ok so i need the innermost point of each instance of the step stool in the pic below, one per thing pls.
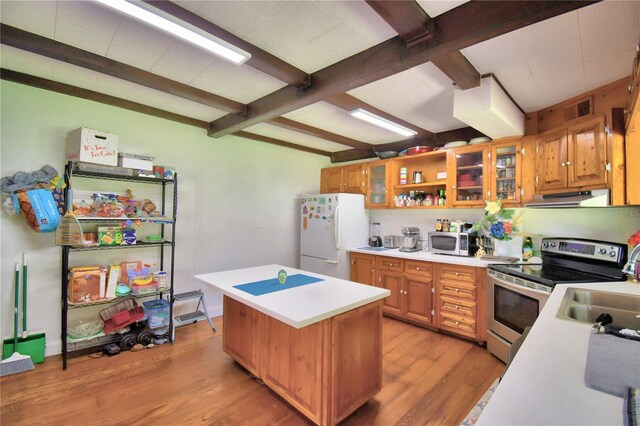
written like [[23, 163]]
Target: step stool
[[190, 317]]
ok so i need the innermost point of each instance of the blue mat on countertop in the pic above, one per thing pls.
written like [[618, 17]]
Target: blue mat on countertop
[[258, 288], [373, 248]]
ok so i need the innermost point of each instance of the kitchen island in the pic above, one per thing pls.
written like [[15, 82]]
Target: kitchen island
[[317, 345], [545, 383]]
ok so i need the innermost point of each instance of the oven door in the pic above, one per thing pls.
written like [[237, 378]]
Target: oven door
[[511, 307]]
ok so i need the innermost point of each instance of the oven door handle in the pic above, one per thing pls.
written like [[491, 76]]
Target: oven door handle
[[519, 288]]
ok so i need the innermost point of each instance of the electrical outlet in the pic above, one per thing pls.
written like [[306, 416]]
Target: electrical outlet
[[260, 224]]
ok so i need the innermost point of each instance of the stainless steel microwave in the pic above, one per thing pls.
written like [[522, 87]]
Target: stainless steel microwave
[[455, 243]]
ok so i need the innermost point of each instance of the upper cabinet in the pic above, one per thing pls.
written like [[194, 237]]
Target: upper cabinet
[[420, 181], [342, 179], [470, 169], [632, 147], [377, 179], [570, 158], [506, 173]]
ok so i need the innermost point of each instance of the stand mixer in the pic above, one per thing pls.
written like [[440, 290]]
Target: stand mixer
[[411, 238]]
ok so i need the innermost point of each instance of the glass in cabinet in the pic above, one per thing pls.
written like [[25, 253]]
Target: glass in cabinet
[[470, 168], [505, 171], [377, 183]]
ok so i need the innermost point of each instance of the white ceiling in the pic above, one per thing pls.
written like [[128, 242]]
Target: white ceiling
[[539, 65]]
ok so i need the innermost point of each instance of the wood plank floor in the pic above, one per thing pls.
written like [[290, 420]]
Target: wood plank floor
[[428, 378]]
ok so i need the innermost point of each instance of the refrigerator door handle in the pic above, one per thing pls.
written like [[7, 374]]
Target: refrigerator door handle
[[336, 228], [333, 262]]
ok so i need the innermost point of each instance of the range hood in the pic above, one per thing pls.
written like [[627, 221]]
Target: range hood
[[488, 109], [594, 198]]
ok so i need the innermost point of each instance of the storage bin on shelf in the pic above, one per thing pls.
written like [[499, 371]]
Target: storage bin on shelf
[[121, 315], [157, 312]]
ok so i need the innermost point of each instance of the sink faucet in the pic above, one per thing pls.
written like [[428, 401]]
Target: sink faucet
[[631, 267]]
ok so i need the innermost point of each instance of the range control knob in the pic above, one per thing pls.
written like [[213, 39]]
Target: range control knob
[[612, 253], [602, 251], [552, 244], [545, 244]]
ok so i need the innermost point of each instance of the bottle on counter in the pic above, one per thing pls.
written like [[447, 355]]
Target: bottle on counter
[[445, 225], [527, 249], [439, 225]]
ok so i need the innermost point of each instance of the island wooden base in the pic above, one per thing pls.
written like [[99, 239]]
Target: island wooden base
[[326, 370]]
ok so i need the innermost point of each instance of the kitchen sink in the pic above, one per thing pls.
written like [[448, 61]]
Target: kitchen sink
[[586, 305]]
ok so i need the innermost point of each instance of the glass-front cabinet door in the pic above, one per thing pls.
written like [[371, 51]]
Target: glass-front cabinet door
[[378, 180], [470, 168], [506, 171]]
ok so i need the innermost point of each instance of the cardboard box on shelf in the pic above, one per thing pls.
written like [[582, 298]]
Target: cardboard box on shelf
[[92, 146], [87, 284], [109, 235]]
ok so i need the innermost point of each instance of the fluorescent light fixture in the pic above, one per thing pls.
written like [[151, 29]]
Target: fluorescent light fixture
[[183, 30], [382, 122]]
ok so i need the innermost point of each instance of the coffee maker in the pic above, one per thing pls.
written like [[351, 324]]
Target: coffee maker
[[411, 239]]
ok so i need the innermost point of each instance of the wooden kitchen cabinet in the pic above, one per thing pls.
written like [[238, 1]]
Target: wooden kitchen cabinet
[[506, 171], [347, 179], [469, 168], [632, 154], [445, 296], [411, 286], [377, 175], [390, 276], [460, 303], [572, 158], [432, 166], [363, 269]]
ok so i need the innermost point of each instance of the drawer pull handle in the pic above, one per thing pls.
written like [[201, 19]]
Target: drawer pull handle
[[456, 290], [418, 268], [457, 323], [457, 307], [457, 274]]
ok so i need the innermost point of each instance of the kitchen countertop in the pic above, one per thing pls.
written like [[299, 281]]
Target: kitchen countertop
[[545, 382], [298, 306], [428, 257]]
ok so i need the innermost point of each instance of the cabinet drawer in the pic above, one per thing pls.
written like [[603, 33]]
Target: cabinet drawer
[[458, 291], [418, 269], [458, 324], [465, 274], [458, 307], [390, 264]]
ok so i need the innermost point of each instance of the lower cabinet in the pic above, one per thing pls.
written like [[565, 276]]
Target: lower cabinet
[[411, 286], [444, 296]]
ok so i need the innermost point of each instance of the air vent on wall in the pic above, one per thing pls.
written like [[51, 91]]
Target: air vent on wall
[[578, 109]]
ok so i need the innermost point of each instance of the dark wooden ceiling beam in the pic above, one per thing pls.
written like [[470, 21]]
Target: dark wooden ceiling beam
[[260, 59], [296, 126], [54, 86], [463, 26], [440, 139], [34, 43], [406, 17], [349, 103], [411, 23], [458, 68], [279, 142]]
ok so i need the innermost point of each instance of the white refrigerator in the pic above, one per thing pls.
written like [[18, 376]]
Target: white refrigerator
[[329, 225]]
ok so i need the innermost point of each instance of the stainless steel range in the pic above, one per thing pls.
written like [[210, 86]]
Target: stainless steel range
[[516, 293]]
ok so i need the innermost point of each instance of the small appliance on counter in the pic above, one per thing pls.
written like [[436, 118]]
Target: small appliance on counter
[[410, 240], [455, 243], [392, 241], [375, 240]]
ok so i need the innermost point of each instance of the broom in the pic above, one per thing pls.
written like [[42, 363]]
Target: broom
[[16, 363]]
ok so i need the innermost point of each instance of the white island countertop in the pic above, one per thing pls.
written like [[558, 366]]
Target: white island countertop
[[545, 383], [299, 306], [427, 257]]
